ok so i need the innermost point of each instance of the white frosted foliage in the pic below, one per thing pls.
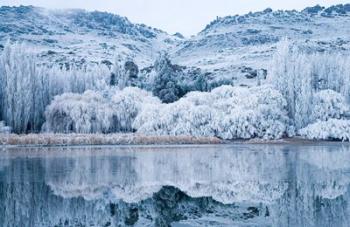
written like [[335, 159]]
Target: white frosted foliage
[[3, 128], [329, 115], [290, 73], [84, 113], [96, 112], [298, 75], [227, 112], [332, 129], [329, 104], [126, 104], [26, 87]]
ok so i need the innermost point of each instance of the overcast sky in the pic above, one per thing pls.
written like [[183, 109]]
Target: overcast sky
[[185, 16]]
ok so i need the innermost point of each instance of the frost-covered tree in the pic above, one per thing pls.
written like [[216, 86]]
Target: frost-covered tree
[[329, 116], [127, 104], [89, 112], [26, 88], [291, 74], [227, 112], [178, 118], [124, 73], [119, 76], [3, 128], [248, 113], [201, 84], [328, 104], [298, 75], [331, 129], [108, 111], [331, 71], [19, 85], [165, 85]]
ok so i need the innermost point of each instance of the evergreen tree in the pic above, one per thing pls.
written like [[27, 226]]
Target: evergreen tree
[[165, 84]]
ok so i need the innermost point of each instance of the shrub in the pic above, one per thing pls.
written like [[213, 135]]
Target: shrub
[[332, 129], [96, 112], [328, 104], [227, 112]]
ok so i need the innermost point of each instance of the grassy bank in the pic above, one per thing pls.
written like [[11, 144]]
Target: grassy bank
[[101, 139]]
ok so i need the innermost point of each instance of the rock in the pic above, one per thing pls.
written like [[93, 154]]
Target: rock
[[107, 63], [250, 73], [179, 35], [51, 52], [268, 10]]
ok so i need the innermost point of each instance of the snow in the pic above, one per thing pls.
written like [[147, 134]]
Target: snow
[[231, 42]]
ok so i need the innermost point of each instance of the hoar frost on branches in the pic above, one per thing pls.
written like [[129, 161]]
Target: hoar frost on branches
[[249, 113], [124, 73], [3, 128], [328, 104], [299, 75], [84, 113], [329, 117], [317, 90], [26, 88], [96, 112], [331, 129], [127, 104], [291, 75], [226, 112]]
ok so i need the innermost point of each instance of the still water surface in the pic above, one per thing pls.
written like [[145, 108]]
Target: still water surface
[[225, 185]]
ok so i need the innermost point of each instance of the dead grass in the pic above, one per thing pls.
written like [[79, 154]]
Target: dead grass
[[101, 139]]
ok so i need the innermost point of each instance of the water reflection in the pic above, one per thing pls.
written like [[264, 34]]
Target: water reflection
[[259, 185]]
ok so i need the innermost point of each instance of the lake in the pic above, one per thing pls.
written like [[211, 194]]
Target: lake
[[214, 185]]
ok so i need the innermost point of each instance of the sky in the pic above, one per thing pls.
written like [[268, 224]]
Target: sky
[[185, 16]]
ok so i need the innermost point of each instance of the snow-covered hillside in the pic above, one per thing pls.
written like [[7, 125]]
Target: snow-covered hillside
[[78, 36], [236, 46], [233, 47]]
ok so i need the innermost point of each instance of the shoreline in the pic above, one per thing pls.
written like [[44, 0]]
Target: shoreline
[[101, 139], [52, 140]]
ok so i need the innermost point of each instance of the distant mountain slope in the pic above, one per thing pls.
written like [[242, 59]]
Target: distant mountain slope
[[231, 48], [232, 45], [78, 35]]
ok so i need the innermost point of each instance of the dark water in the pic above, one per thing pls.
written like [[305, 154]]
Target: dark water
[[231, 185]]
